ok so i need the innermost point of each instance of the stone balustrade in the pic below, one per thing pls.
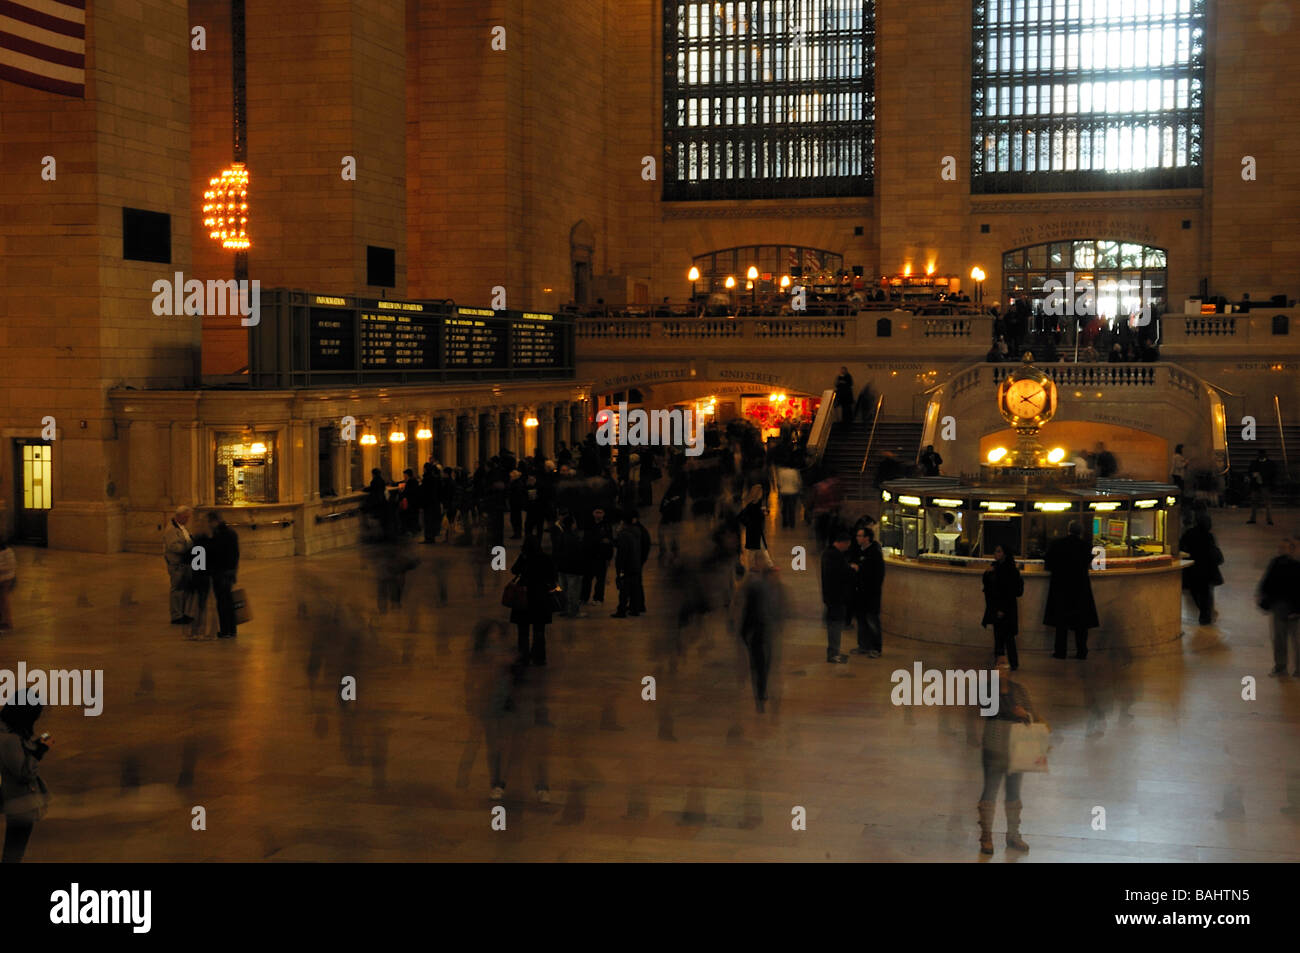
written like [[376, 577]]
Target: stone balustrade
[[1270, 332]]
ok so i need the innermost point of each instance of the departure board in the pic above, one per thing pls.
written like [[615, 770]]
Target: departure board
[[324, 339], [332, 339], [534, 341], [475, 338], [398, 341]]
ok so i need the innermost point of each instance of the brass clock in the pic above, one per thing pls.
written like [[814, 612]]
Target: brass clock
[[1027, 397]]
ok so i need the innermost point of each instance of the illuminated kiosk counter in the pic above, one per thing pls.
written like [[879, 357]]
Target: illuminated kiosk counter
[[933, 581]]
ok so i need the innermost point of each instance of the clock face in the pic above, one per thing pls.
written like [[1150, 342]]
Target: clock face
[[1026, 399]]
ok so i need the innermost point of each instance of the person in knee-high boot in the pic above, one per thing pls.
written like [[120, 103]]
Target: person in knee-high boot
[[1014, 706]]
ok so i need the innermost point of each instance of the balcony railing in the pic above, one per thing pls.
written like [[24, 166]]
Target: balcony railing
[[899, 334]]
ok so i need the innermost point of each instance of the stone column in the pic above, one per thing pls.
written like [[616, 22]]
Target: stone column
[[546, 430], [577, 422], [447, 454], [491, 439], [471, 440]]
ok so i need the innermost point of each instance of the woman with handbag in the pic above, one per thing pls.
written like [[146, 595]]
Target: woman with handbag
[[1003, 587], [1014, 708], [536, 573], [22, 791]]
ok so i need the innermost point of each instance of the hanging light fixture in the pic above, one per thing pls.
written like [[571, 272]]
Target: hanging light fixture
[[225, 208]]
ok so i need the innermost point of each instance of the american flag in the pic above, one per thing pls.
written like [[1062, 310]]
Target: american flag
[[43, 44]]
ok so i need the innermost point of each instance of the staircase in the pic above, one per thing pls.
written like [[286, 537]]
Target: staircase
[[1268, 438], [848, 444]]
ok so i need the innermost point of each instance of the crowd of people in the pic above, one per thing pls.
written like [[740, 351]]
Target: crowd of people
[[1023, 327]]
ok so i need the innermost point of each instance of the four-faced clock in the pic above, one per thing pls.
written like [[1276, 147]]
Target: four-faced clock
[[1027, 397]]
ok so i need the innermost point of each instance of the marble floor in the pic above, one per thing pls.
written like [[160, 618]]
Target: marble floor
[[253, 730]]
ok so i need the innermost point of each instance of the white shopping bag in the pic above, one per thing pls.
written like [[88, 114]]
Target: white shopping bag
[[1028, 747]]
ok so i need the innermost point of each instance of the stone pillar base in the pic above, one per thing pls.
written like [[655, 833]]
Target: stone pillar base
[[88, 527]]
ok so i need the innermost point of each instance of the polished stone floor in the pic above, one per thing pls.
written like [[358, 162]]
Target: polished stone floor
[[253, 730]]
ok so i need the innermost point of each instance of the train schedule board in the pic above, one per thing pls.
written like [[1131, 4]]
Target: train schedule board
[[398, 336], [535, 340], [331, 333], [476, 339]]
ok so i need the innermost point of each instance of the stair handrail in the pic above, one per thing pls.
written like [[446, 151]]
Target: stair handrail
[[821, 428], [872, 436], [1281, 433]]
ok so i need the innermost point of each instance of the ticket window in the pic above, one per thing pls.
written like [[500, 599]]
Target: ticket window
[[912, 530], [1148, 531], [945, 531], [890, 531], [245, 470], [1111, 531], [999, 529], [1042, 528]]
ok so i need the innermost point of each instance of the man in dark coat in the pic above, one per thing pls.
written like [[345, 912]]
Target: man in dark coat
[[1262, 473], [1069, 594], [1003, 587], [931, 461], [431, 503], [409, 501], [1203, 574], [838, 578], [1279, 595], [598, 542], [869, 559], [536, 572], [631, 547], [844, 395], [223, 565]]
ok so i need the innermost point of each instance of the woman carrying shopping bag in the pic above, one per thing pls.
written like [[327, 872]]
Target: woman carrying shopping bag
[[1015, 708]]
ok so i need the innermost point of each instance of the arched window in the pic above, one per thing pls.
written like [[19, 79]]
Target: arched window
[[814, 268], [1126, 276], [1070, 97]]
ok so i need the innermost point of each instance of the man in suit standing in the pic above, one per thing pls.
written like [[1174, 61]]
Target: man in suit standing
[[176, 551], [838, 577], [223, 566], [1069, 593]]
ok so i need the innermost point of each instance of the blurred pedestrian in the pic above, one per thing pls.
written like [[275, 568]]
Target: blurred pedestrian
[[1014, 707], [1204, 574], [25, 795], [8, 580], [223, 567], [1279, 595], [1262, 473], [631, 549], [1069, 592], [536, 572]]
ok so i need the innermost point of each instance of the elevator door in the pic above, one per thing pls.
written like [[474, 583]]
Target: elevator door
[[34, 483]]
